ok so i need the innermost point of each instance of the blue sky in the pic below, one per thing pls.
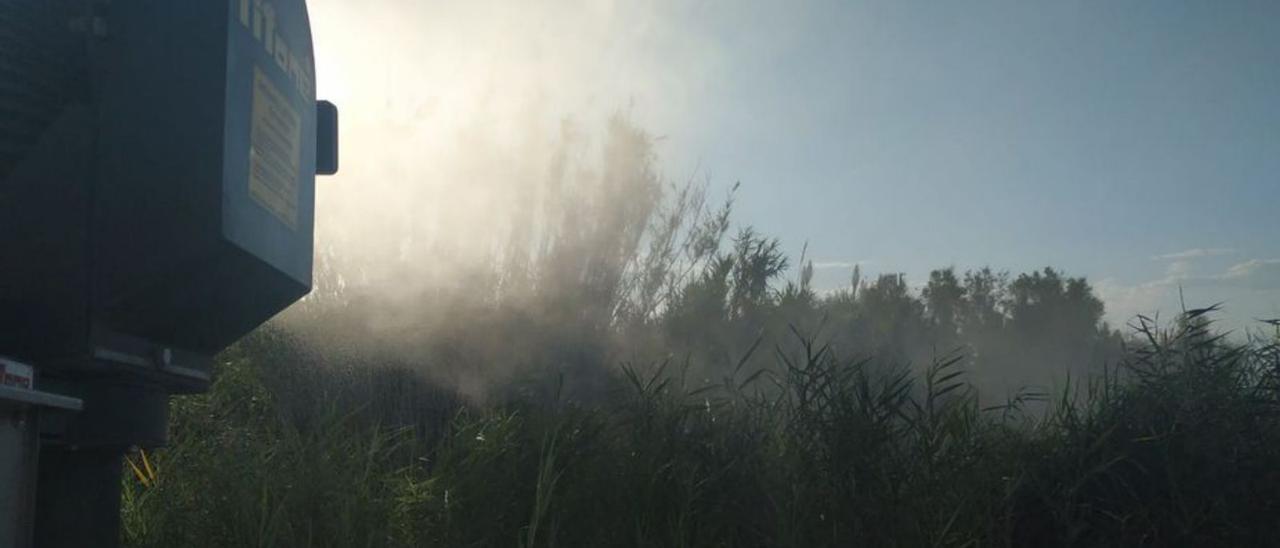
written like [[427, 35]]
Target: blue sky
[[1136, 143]]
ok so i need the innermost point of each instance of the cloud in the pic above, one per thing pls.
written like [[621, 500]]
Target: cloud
[[1250, 288], [1195, 253], [1178, 270], [1260, 274], [1123, 301], [826, 265]]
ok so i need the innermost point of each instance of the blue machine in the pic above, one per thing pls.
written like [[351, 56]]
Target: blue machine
[[157, 202]]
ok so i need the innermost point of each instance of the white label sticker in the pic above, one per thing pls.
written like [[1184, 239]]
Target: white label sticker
[[275, 146]]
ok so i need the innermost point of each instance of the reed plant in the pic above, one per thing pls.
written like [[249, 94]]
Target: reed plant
[[1175, 446]]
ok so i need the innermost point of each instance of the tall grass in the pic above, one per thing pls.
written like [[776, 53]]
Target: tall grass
[[1176, 446]]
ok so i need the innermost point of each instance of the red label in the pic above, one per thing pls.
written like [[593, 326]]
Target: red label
[[15, 374]]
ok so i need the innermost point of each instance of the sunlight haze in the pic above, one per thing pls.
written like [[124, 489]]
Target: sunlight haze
[[1133, 143]]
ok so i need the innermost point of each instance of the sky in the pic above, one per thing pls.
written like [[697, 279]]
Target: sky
[[1134, 143]]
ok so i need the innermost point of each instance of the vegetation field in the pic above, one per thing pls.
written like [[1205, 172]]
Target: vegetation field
[[1178, 447], [626, 370]]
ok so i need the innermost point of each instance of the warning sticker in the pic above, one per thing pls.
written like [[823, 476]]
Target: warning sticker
[[275, 143]]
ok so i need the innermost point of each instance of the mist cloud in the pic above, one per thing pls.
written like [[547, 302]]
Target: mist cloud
[[453, 114]]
